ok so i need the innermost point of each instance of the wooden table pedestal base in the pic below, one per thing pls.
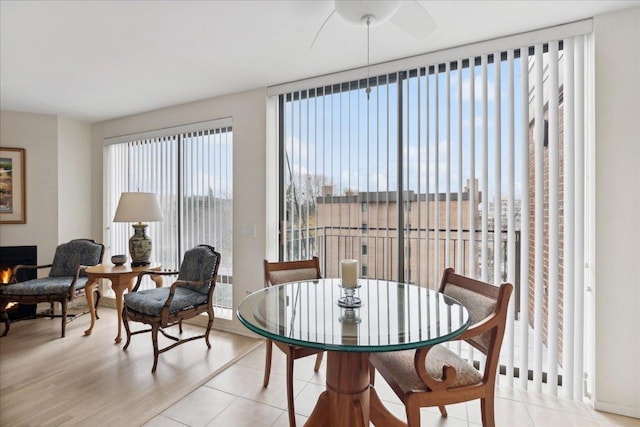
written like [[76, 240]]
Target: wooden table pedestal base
[[349, 400]]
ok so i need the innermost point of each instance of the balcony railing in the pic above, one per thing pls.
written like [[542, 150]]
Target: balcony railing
[[425, 254], [332, 244]]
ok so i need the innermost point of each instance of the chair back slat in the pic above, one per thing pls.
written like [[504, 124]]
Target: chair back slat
[[479, 306], [482, 300], [277, 273]]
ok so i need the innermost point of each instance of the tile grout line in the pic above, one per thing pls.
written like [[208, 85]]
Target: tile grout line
[[203, 382]]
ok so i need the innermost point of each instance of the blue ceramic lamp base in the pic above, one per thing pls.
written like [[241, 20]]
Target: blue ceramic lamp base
[[140, 246]]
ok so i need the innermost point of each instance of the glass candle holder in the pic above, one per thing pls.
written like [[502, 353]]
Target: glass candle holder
[[349, 300]]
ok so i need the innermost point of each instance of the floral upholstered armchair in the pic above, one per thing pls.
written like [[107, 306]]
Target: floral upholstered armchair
[[190, 295], [65, 281]]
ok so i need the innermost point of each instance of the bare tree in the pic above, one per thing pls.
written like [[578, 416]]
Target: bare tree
[[307, 188]]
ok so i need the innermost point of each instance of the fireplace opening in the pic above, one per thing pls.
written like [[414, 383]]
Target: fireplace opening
[[10, 256]]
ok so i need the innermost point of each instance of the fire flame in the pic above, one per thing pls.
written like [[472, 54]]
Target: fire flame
[[5, 275]]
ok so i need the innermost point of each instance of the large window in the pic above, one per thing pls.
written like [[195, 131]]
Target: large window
[[475, 163], [190, 171]]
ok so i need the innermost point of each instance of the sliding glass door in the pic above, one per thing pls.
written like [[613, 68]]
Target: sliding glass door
[[476, 164], [190, 171]]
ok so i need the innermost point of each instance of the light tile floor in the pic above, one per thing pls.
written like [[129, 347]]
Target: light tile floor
[[236, 398]]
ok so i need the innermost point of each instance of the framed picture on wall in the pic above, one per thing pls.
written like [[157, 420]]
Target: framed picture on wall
[[13, 199]]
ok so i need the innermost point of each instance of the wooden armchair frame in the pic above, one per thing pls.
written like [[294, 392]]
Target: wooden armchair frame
[[271, 269], [484, 334], [167, 317]]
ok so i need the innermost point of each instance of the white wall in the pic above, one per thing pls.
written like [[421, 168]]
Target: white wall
[[57, 163], [38, 135], [74, 171], [248, 111], [617, 210]]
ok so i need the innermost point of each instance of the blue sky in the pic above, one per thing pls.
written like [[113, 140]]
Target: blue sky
[[336, 144]]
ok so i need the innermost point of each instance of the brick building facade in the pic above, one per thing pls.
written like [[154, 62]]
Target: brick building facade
[[546, 257], [364, 226]]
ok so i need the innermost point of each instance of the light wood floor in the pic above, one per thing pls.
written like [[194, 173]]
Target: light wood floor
[[46, 380]]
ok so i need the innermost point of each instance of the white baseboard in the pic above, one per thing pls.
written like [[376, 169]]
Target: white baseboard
[[241, 330], [627, 411], [107, 302], [222, 326]]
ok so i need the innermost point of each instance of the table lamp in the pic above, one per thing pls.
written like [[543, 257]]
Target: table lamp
[[138, 208]]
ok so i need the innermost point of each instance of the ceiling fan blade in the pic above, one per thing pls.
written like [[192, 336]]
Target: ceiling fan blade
[[321, 27], [413, 19]]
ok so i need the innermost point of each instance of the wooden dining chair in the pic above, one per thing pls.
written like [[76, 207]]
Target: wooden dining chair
[[435, 375], [276, 273]]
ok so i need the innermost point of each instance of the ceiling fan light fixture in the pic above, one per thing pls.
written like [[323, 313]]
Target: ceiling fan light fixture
[[368, 20], [356, 12]]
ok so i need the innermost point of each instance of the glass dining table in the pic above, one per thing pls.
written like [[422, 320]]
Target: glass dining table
[[388, 316]]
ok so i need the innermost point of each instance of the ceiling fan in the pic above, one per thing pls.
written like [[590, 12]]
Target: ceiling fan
[[408, 15]]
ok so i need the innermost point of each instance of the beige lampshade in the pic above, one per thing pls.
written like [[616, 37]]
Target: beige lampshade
[[138, 207]]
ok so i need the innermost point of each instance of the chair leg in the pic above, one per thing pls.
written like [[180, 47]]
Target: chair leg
[[267, 363], [487, 408], [443, 411], [206, 334], [413, 415], [126, 327], [180, 326], [5, 317], [292, 412], [154, 338], [64, 304], [316, 367]]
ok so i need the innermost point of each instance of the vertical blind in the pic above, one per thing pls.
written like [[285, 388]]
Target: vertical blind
[[190, 171], [475, 163]]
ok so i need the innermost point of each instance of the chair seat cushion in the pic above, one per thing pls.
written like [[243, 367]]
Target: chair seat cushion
[[400, 366], [151, 301], [45, 286]]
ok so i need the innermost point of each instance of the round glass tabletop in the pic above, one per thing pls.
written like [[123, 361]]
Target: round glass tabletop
[[391, 316]]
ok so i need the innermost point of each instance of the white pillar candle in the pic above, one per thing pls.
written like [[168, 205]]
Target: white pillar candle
[[349, 269]]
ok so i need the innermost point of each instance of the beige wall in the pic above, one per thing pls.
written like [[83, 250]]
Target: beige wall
[[74, 170], [57, 152], [617, 212], [38, 135], [248, 112]]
